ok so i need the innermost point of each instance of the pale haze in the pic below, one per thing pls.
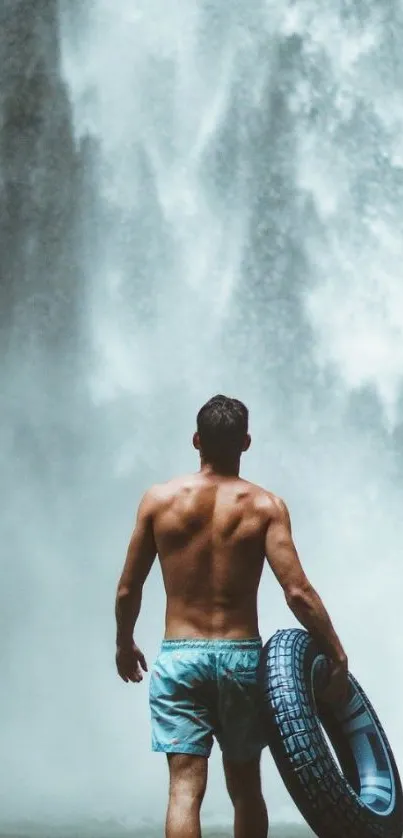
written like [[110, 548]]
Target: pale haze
[[196, 198]]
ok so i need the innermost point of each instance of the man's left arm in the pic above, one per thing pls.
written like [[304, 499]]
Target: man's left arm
[[140, 556]]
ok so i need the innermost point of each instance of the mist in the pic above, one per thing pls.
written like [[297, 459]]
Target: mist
[[199, 199]]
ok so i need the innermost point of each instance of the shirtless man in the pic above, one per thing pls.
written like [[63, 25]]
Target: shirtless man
[[212, 531]]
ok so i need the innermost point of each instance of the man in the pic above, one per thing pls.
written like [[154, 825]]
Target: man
[[212, 531]]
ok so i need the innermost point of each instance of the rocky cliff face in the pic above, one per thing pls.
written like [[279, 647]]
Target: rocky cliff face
[[42, 183]]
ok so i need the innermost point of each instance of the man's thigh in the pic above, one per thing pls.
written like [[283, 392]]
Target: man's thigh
[[181, 718], [240, 731]]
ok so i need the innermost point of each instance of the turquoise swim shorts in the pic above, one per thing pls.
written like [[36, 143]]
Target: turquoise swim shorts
[[201, 689]]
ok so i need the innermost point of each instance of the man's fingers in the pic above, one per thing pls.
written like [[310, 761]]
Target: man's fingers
[[140, 657], [130, 664], [135, 675], [336, 691], [143, 662]]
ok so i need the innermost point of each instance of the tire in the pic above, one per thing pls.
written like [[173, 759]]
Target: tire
[[363, 799]]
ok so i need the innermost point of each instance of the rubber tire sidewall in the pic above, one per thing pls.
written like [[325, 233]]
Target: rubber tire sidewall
[[326, 800]]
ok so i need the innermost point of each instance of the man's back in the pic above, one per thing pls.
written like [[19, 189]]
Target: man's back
[[209, 532]]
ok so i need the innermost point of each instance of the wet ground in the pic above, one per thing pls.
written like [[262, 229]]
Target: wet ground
[[77, 830]]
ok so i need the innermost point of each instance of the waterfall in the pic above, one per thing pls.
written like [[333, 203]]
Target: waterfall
[[196, 197]]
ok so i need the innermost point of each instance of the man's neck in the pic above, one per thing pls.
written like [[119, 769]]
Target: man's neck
[[227, 470]]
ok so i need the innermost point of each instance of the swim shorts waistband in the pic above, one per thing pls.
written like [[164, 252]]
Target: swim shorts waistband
[[216, 644]]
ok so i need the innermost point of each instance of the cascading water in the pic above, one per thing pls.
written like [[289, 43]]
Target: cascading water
[[209, 201]]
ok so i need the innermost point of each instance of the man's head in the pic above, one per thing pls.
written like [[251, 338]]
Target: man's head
[[222, 432]]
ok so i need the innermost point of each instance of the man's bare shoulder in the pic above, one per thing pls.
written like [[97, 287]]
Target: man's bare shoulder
[[268, 502], [161, 492], [265, 502]]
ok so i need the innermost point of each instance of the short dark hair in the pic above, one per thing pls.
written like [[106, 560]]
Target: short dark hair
[[222, 425]]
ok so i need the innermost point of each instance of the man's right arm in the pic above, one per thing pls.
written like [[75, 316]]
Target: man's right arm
[[300, 596]]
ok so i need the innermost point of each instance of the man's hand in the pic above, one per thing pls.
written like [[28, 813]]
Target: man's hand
[[130, 661], [336, 690]]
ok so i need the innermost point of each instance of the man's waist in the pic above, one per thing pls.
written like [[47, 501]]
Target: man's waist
[[211, 643]]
